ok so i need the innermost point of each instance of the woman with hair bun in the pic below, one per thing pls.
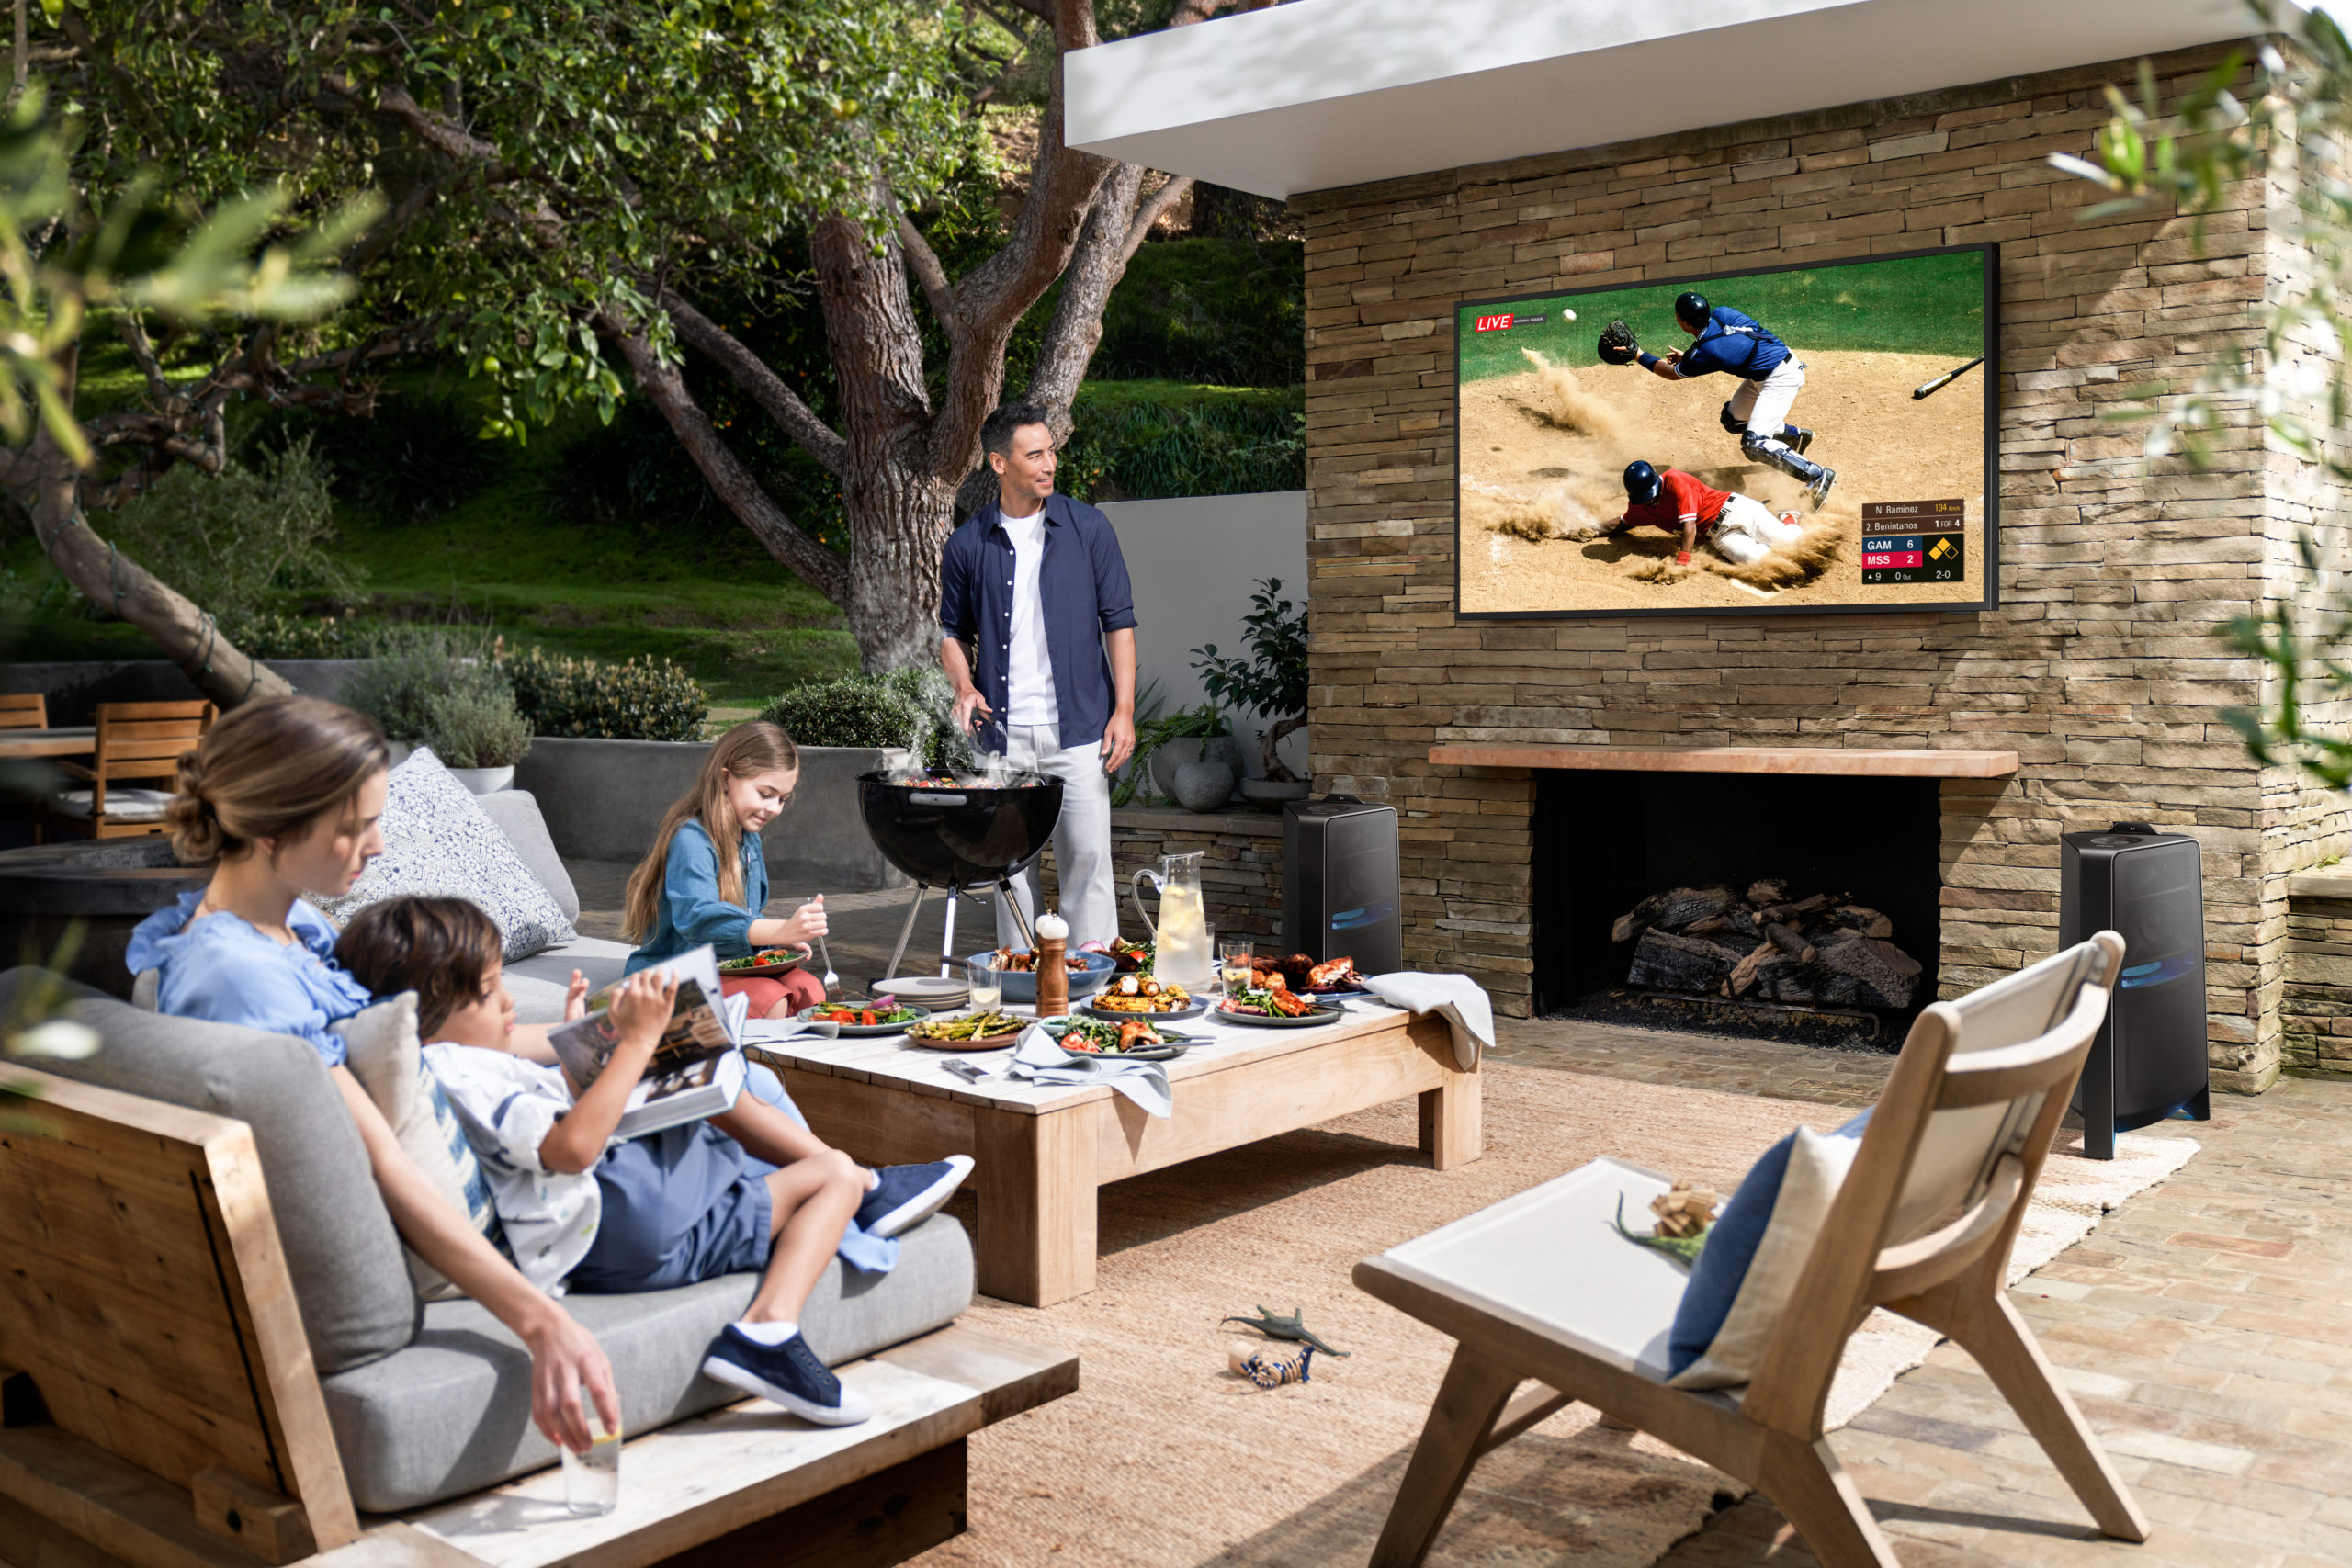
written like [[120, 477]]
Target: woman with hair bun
[[281, 798]]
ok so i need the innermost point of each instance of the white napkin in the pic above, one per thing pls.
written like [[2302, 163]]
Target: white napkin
[[1037, 1058], [1458, 998]]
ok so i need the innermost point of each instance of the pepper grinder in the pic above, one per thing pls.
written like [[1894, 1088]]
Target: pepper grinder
[[1053, 972]]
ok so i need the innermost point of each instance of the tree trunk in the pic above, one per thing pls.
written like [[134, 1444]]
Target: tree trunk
[[187, 637], [899, 517]]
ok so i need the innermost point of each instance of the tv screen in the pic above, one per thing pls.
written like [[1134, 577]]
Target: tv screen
[[1816, 438]]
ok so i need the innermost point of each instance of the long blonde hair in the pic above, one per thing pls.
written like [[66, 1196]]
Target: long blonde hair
[[745, 752], [267, 769]]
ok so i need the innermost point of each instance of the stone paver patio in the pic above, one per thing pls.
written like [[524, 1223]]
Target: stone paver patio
[[2206, 1328]]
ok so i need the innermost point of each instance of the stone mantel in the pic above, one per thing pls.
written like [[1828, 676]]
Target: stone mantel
[[1844, 761]]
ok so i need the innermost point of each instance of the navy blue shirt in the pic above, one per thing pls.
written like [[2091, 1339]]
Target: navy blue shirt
[[1735, 342], [1082, 587]]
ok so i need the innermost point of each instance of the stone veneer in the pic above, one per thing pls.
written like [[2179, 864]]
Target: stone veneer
[[1241, 875], [2101, 668]]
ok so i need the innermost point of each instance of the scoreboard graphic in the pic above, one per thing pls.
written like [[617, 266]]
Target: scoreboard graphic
[[1914, 541]]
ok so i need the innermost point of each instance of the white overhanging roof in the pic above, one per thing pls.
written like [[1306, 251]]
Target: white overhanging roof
[[1325, 93]]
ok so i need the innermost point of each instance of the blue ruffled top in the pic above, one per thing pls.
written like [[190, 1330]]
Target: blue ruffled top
[[223, 969]]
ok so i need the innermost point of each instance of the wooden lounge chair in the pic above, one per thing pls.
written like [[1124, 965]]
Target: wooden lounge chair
[[1539, 1287], [135, 740], [22, 710]]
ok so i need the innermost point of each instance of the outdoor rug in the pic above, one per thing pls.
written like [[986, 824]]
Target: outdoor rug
[[1164, 1458]]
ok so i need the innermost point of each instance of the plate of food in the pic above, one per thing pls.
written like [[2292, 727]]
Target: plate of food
[[1132, 995], [988, 1031], [1270, 1009], [1300, 974], [1135, 957], [1018, 967], [767, 961], [865, 1017], [1136, 1039]]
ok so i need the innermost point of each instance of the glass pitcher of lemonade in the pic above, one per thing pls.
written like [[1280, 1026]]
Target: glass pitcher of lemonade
[[1180, 936]]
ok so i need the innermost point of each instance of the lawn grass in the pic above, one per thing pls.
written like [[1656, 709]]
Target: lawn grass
[[1901, 305]]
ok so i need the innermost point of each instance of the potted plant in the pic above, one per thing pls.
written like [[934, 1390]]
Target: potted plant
[[1271, 682], [429, 692], [1189, 735]]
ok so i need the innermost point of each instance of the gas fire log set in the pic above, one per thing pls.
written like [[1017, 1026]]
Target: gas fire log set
[[1765, 946]]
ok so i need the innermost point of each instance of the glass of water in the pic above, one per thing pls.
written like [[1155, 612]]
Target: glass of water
[[1233, 956], [592, 1480], [988, 984]]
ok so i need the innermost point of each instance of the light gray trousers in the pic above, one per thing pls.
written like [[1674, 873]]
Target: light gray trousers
[[1090, 902]]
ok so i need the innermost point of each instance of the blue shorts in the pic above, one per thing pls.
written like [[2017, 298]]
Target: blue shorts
[[680, 1207]]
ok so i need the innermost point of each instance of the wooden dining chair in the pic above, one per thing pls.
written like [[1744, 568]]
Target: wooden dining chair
[[22, 710], [134, 741], [1540, 1287]]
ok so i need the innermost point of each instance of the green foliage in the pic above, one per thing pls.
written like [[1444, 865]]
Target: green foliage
[[641, 699], [276, 635], [1272, 682], [1223, 445], [634, 471], [414, 458], [445, 689], [891, 709], [2294, 381], [1231, 312], [231, 543]]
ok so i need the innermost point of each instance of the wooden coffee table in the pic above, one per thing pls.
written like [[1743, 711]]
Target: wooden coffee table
[[1042, 1152]]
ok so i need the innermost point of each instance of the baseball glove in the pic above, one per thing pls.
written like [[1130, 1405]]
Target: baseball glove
[[1617, 345]]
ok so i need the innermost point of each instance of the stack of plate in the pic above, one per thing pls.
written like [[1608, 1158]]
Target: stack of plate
[[940, 993]]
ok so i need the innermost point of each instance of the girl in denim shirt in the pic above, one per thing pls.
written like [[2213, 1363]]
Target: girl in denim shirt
[[705, 880]]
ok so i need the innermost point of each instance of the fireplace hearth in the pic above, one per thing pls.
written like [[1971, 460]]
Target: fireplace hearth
[[1802, 908]]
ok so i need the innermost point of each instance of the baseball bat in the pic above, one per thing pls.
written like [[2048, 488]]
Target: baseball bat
[[1946, 379]]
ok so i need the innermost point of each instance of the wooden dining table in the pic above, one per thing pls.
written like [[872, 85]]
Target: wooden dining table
[[71, 741]]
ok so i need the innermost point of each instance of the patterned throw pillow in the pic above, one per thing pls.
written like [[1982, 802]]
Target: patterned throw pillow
[[438, 843], [388, 1063]]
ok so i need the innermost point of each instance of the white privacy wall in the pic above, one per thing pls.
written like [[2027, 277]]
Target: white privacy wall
[[1194, 563]]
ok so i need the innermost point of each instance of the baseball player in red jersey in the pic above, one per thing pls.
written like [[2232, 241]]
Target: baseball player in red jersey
[[1737, 527]]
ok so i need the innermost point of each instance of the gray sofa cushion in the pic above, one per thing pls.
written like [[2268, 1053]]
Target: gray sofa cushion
[[452, 1413], [537, 982], [351, 1281], [516, 812]]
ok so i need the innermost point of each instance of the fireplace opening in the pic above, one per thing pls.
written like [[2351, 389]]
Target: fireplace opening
[[1607, 841]]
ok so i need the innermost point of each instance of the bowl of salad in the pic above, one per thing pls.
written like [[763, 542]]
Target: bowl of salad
[[861, 1017]]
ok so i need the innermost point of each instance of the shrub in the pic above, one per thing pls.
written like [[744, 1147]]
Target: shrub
[[443, 690], [892, 709], [1227, 312], [276, 634], [231, 542], [644, 699], [414, 458], [1147, 450]]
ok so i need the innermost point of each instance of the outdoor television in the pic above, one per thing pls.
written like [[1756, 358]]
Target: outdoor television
[[1892, 389]]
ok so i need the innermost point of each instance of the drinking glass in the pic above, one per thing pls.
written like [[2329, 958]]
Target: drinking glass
[[592, 1482], [1233, 955], [987, 985]]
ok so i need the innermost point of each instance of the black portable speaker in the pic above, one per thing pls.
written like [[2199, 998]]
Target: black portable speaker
[[2148, 1061], [1340, 892]]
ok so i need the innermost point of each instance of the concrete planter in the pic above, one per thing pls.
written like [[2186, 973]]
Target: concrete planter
[[1176, 753], [484, 781], [605, 799]]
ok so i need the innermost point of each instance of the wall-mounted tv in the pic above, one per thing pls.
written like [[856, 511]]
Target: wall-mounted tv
[[1818, 438]]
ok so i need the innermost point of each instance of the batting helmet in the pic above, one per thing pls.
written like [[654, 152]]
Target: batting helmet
[[1642, 483], [1690, 309]]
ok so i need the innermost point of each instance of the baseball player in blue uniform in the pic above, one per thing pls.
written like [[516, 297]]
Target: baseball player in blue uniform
[[1769, 376]]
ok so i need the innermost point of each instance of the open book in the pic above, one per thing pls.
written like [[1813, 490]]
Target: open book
[[696, 1070]]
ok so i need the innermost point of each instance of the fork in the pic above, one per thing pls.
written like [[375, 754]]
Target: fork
[[832, 982]]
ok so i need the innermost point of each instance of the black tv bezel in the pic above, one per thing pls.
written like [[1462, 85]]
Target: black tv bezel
[[1990, 390]]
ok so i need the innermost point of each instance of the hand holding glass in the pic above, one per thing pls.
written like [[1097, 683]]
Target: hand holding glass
[[592, 1480]]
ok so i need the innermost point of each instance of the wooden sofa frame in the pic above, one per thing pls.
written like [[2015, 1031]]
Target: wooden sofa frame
[[159, 1407]]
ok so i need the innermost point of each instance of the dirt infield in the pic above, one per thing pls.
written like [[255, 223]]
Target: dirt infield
[[1542, 454]]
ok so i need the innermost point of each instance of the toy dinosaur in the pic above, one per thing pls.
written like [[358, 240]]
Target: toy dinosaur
[[1274, 1325]]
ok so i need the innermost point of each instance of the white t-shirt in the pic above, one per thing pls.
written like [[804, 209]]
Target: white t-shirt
[[1030, 687], [507, 1107]]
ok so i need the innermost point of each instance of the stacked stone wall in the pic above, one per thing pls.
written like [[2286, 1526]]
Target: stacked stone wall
[[2101, 669]]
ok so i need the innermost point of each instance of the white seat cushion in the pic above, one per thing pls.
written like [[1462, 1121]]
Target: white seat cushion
[[124, 804]]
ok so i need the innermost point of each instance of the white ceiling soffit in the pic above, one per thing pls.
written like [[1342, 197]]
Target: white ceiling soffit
[[1325, 93]]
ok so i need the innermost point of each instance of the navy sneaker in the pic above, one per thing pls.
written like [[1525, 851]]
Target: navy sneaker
[[909, 1194], [788, 1373]]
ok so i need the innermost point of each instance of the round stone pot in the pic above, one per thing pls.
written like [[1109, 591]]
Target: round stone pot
[[485, 780], [1203, 786], [1271, 793], [1176, 753]]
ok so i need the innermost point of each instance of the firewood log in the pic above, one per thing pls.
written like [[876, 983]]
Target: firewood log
[[1687, 905], [1790, 941], [1769, 891], [1668, 961], [1639, 919]]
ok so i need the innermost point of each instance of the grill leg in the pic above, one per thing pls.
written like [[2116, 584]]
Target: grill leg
[[947, 939], [908, 929], [1020, 921]]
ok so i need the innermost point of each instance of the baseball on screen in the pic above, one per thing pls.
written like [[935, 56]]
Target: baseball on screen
[[1797, 439]]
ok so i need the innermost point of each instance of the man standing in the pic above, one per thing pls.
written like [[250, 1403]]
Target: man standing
[[1037, 636]]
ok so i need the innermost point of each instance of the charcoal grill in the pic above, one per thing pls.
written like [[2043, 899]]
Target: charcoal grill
[[955, 835]]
